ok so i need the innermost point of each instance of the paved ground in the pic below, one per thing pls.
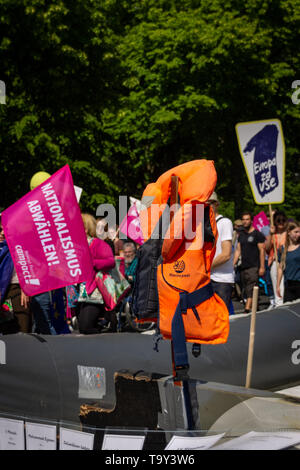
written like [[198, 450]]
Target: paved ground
[[238, 304], [263, 303]]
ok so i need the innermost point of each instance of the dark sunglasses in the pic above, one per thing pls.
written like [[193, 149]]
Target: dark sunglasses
[[280, 221]]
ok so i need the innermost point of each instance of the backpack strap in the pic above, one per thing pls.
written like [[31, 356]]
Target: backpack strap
[[186, 300]]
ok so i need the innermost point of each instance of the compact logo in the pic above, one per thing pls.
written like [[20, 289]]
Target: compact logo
[[179, 266], [2, 352], [21, 260]]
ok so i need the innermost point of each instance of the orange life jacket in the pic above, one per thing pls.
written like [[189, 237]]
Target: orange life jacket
[[188, 308]]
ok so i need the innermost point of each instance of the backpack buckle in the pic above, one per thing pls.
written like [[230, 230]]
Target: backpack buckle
[[196, 349], [183, 302], [181, 373]]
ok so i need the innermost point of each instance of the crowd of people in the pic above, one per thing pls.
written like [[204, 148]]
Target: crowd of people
[[39, 313], [244, 257]]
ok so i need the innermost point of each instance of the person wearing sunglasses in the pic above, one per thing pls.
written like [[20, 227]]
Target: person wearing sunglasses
[[277, 237], [251, 250]]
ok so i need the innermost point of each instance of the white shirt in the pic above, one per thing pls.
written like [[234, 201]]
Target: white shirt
[[224, 272]]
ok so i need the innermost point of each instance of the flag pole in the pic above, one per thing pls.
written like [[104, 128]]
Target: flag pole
[[251, 336]]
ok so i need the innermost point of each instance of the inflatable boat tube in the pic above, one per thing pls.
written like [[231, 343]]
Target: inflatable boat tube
[[52, 377]]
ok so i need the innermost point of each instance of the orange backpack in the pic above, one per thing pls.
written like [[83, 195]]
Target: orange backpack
[[189, 311]]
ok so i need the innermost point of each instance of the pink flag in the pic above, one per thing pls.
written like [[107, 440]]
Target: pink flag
[[260, 221], [46, 237], [131, 227]]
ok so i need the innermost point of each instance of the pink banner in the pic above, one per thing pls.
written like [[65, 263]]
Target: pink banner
[[131, 227], [46, 237], [260, 220]]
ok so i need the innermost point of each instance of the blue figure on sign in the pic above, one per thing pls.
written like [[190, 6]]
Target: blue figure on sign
[[264, 163]]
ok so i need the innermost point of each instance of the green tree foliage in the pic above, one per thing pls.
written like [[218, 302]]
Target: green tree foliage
[[122, 90], [57, 60]]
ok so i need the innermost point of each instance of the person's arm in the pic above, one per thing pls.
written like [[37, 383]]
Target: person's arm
[[279, 277], [24, 299], [103, 258], [237, 254], [269, 239], [261, 249], [224, 256]]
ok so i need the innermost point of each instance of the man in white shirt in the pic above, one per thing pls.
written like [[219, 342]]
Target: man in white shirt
[[222, 272]]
